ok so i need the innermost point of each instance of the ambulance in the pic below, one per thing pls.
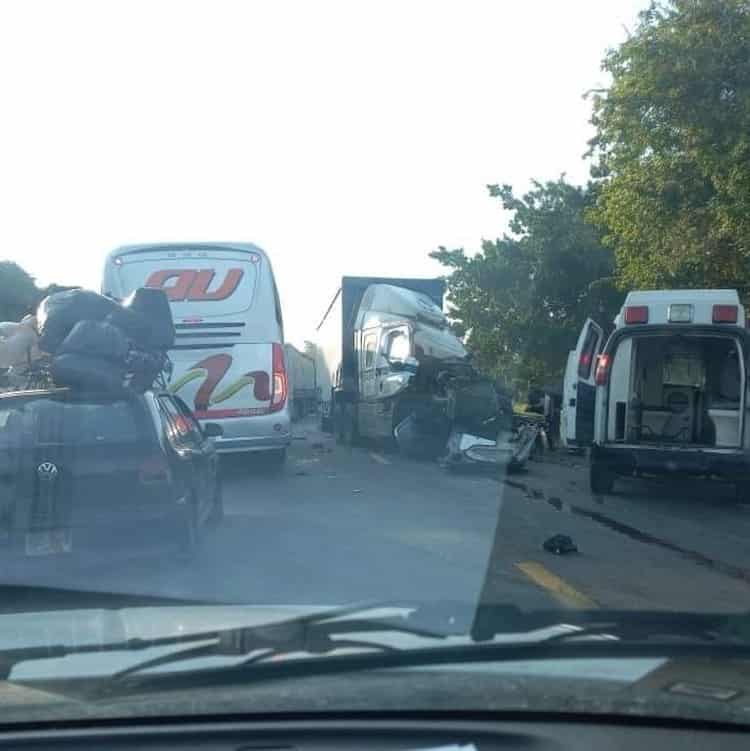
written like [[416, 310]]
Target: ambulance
[[667, 392]]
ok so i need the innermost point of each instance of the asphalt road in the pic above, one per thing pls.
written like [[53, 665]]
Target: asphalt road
[[340, 525]]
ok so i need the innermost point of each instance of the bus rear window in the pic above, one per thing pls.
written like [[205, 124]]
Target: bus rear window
[[196, 285]]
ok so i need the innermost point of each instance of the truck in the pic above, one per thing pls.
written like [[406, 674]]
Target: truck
[[304, 393], [390, 368]]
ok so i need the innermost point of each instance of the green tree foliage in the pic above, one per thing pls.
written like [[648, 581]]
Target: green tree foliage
[[18, 293], [522, 299], [672, 148]]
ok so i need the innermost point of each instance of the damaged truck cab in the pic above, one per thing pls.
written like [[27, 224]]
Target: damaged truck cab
[[668, 392], [378, 342], [396, 371]]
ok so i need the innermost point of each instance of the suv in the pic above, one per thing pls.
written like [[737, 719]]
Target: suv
[[81, 470]]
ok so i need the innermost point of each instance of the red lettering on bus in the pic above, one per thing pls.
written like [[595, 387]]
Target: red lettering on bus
[[199, 289], [192, 285], [178, 291]]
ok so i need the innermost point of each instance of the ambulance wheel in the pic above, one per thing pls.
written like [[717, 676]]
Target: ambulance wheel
[[742, 491], [601, 479]]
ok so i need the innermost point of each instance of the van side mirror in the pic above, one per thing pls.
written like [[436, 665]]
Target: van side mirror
[[213, 430]]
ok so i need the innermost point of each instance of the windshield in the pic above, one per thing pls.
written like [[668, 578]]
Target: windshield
[[361, 343]]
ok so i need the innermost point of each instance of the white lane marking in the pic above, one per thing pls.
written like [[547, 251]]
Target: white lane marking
[[379, 459]]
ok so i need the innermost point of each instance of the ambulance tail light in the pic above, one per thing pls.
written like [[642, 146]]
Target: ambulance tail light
[[636, 314], [725, 314], [603, 365]]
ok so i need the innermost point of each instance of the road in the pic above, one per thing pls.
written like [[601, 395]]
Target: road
[[339, 524]]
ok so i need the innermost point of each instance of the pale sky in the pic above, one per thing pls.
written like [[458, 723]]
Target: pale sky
[[342, 137]]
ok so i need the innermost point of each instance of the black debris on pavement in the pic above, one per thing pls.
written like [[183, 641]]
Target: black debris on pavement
[[560, 545]]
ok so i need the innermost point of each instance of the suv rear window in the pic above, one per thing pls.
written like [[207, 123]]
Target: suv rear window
[[76, 422]]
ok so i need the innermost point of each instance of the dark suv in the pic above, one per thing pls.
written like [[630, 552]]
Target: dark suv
[[80, 471]]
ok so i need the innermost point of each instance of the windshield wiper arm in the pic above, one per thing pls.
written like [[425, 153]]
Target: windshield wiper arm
[[312, 633]]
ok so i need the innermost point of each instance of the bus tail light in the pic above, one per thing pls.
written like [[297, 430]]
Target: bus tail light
[[279, 379]]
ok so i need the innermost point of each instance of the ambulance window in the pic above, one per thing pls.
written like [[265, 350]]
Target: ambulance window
[[587, 353]]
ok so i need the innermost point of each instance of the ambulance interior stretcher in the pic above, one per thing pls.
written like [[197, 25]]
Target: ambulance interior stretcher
[[677, 389]]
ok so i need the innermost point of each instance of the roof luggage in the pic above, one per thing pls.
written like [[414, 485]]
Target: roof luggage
[[93, 342]]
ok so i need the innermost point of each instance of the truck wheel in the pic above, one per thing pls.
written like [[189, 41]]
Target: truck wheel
[[346, 426], [601, 479]]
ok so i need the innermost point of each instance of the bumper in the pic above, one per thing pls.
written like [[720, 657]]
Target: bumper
[[257, 433], [269, 443], [729, 464]]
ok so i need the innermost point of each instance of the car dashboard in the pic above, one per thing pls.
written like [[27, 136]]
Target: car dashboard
[[375, 733]]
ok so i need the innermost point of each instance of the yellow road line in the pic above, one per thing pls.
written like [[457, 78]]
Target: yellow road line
[[561, 590], [379, 459]]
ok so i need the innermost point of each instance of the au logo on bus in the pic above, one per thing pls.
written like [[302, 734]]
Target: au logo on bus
[[192, 285]]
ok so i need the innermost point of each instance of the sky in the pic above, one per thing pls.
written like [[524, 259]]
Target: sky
[[342, 137]]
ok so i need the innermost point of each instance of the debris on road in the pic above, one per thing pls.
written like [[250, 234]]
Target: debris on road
[[560, 545]]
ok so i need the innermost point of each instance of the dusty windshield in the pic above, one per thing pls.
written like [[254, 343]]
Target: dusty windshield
[[334, 331]]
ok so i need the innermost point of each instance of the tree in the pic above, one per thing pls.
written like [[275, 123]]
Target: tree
[[672, 147], [523, 299], [18, 293]]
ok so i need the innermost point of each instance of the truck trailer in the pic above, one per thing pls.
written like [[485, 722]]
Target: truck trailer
[[304, 393]]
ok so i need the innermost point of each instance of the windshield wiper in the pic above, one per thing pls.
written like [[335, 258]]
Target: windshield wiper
[[311, 634], [340, 636]]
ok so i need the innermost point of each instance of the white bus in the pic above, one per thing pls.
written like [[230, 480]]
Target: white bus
[[229, 349]]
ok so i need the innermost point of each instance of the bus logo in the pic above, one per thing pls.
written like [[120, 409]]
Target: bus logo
[[192, 285]]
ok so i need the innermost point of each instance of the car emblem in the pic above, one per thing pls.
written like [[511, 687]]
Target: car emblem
[[47, 470]]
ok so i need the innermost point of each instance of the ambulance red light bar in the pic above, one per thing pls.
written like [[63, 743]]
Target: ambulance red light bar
[[636, 314], [725, 314]]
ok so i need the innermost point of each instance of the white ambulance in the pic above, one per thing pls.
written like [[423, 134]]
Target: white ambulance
[[229, 351], [666, 393]]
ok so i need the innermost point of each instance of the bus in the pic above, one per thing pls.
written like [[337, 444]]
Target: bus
[[228, 358]]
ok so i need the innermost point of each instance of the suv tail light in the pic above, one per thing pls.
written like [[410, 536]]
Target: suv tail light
[[154, 471], [279, 379], [725, 314], [603, 365]]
